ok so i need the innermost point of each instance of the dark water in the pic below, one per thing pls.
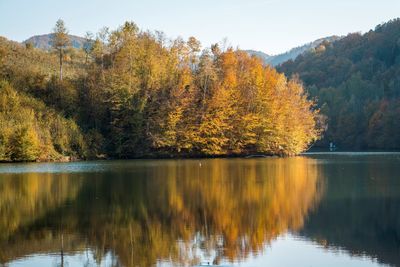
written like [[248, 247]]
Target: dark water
[[314, 210]]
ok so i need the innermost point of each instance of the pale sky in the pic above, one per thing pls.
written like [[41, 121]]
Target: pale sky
[[272, 26]]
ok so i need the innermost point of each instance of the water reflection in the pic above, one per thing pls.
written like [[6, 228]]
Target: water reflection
[[146, 212], [360, 210], [330, 210]]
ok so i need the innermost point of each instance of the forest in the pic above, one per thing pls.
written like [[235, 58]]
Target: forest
[[356, 82], [130, 93]]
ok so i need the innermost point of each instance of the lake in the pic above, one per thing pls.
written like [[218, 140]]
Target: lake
[[318, 209]]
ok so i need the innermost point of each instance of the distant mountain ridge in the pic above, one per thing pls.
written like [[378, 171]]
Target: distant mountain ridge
[[44, 41], [293, 53]]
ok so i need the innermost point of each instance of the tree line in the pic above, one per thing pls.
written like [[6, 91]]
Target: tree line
[[131, 93]]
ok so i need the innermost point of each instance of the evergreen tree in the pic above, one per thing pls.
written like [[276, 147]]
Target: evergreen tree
[[60, 42]]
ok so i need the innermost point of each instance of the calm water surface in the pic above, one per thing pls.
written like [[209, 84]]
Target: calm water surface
[[340, 209]]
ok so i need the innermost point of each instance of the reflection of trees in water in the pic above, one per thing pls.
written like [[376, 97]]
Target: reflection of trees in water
[[26, 197], [228, 207], [360, 211]]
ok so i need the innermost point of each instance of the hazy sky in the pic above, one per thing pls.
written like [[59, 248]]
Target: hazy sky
[[272, 26]]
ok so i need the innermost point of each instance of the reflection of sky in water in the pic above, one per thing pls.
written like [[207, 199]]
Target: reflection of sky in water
[[92, 166], [289, 251], [81, 259], [286, 251], [71, 167]]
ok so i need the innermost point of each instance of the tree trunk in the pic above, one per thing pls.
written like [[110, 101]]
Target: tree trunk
[[61, 72]]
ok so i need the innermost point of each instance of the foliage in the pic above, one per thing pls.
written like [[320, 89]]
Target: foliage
[[356, 82], [176, 100], [30, 131], [140, 94]]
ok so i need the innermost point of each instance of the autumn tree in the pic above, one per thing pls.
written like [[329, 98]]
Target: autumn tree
[[142, 94]]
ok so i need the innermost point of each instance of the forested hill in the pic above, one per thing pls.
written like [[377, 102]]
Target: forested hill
[[45, 41], [292, 53], [357, 83], [132, 93]]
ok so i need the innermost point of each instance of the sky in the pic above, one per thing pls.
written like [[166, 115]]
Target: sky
[[271, 26]]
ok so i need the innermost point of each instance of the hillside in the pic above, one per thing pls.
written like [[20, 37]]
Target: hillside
[[137, 97], [45, 41], [357, 83], [263, 56], [32, 131], [293, 53], [32, 127], [19, 62]]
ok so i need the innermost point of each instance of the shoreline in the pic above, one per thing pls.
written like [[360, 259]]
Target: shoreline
[[244, 156], [194, 157]]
